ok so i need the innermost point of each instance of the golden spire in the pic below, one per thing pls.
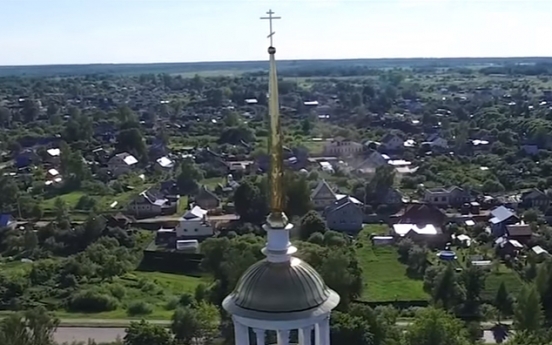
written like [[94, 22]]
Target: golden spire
[[277, 219]]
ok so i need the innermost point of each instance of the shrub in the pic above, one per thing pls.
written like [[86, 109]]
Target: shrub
[[172, 303], [139, 308], [117, 290], [90, 301]]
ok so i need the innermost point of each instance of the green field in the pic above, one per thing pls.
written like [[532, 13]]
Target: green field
[[104, 202], [384, 277]]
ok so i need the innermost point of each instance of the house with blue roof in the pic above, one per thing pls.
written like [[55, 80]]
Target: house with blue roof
[[7, 221], [500, 218]]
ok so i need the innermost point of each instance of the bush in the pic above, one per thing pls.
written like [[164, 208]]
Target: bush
[[139, 308], [117, 290], [172, 303], [90, 301]]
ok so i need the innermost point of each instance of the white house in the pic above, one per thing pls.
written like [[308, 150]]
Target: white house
[[194, 224], [122, 163], [165, 162]]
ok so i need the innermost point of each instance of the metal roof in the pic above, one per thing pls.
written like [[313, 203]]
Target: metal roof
[[285, 287]]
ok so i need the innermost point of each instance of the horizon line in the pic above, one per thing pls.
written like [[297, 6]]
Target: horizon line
[[281, 60]]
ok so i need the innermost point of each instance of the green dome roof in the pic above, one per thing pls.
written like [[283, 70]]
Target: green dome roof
[[285, 287]]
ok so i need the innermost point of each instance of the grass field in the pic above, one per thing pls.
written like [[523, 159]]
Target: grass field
[[384, 277], [104, 202]]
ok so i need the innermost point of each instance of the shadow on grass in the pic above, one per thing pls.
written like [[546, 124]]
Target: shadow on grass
[[191, 269]]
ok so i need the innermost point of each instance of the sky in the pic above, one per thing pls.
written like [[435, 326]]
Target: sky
[[142, 31]]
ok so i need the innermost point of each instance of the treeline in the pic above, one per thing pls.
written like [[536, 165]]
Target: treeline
[[541, 68], [309, 67]]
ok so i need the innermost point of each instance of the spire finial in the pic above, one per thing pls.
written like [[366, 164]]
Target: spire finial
[[277, 219], [270, 18]]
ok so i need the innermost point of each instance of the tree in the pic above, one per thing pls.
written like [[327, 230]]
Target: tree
[[473, 279], [298, 194], [436, 327], [310, 224], [187, 178], [502, 301], [528, 313], [144, 333], [131, 140], [383, 179], [34, 327], [30, 110], [447, 291], [197, 325], [348, 329], [249, 203]]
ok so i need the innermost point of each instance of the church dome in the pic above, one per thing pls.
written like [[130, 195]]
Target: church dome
[[280, 287]]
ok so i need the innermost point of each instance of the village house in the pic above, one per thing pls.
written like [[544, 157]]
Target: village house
[[534, 198], [122, 163], [444, 197], [508, 247], [206, 199], [428, 234], [392, 142], [53, 156], [194, 225], [342, 147], [165, 163], [500, 218], [323, 196], [150, 204], [7, 222], [422, 223], [25, 158], [373, 160], [436, 142], [345, 215], [519, 232]]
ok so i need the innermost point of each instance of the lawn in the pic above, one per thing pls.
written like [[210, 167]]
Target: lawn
[[212, 183], [384, 277], [104, 202], [510, 278]]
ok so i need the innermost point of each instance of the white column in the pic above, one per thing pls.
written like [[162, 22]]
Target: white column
[[305, 335], [260, 334], [283, 337], [241, 334], [322, 332]]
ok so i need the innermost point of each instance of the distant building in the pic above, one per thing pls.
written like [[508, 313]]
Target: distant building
[[342, 147], [150, 204], [443, 197], [7, 221], [345, 215], [206, 199], [122, 163], [500, 218], [194, 225], [535, 198], [392, 142]]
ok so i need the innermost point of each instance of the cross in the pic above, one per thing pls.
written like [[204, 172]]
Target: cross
[[270, 18]]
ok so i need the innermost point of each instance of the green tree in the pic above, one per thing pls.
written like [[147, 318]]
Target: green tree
[[348, 329], [188, 177], [528, 314], [33, 327], [144, 333], [250, 203], [436, 327], [131, 140], [447, 291], [473, 279], [311, 223], [502, 301]]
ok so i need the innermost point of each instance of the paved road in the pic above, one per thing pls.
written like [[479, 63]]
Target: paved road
[[222, 218], [82, 334]]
